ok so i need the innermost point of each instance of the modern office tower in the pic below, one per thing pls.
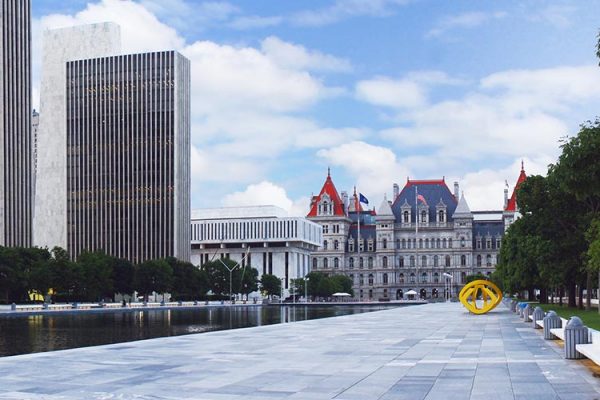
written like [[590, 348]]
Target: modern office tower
[[15, 123], [35, 124], [128, 155], [60, 46]]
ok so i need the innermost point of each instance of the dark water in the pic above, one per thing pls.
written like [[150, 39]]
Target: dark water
[[37, 333]]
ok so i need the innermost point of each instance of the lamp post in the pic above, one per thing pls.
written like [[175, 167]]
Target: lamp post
[[237, 264], [446, 284], [306, 279], [281, 298]]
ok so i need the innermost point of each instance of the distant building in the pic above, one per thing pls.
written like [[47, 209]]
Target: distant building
[[263, 237], [124, 172], [35, 124], [409, 242], [16, 201]]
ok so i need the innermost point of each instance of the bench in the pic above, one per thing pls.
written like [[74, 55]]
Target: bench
[[540, 323], [560, 332], [27, 307]]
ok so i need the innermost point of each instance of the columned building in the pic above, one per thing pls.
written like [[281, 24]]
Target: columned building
[[425, 240], [16, 201], [121, 170], [263, 237]]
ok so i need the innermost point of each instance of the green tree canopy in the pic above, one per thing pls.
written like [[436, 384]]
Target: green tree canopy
[[271, 285], [153, 276]]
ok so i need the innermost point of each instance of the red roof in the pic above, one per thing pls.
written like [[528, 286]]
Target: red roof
[[329, 188], [512, 203]]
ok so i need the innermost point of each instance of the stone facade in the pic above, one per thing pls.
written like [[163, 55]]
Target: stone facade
[[60, 46], [426, 239], [260, 236]]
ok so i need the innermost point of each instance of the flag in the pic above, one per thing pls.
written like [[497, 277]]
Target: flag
[[421, 198], [363, 199]]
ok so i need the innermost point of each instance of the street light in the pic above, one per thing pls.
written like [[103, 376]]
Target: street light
[[306, 279], [237, 264], [448, 285]]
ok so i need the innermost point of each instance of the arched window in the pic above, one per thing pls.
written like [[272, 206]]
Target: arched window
[[324, 244], [420, 243], [423, 216], [463, 277], [412, 277], [447, 261], [438, 243], [462, 241], [436, 277], [385, 279], [384, 243], [315, 263], [441, 216], [325, 263], [401, 261], [361, 280], [370, 279], [463, 260], [423, 261], [426, 243], [336, 263], [412, 261], [351, 263], [361, 263], [436, 261], [370, 261], [444, 243], [450, 243], [424, 277], [384, 262], [479, 260], [397, 243], [401, 278], [403, 243], [488, 260], [406, 217], [336, 244]]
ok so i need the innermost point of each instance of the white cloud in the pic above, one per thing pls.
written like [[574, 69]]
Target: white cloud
[[254, 21], [559, 16], [343, 9], [140, 29], [463, 21], [267, 193], [509, 111], [375, 168], [391, 93], [293, 56], [484, 189], [188, 16]]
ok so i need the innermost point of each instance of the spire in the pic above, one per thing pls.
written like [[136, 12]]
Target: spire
[[384, 209], [522, 165], [512, 202], [462, 209], [328, 172]]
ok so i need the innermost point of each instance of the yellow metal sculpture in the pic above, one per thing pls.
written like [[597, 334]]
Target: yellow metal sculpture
[[490, 295]]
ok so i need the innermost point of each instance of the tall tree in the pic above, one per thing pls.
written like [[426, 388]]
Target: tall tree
[[153, 276], [96, 275], [271, 285], [123, 275]]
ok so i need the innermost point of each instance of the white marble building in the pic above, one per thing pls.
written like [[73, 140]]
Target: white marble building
[[273, 242], [60, 46]]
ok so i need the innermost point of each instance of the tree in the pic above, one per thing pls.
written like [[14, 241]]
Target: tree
[[298, 286], [153, 276], [593, 253], [189, 282], [41, 278], [314, 280], [342, 283], [248, 280], [66, 275], [123, 276], [96, 275], [271, 285], [598, 48]]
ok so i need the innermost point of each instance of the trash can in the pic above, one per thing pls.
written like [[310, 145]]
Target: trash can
[[538, 315], [575, 333], [551, 321], [527, 311]]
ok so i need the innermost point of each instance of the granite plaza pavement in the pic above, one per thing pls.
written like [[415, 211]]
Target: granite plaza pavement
[[433, 351]]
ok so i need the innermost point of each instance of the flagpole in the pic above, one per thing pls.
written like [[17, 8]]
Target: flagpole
[[357, 208], [417, 239]]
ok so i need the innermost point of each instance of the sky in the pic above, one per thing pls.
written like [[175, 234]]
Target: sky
[[376, 90]]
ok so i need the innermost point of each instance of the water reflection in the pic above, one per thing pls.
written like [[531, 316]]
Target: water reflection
[[37, 333]]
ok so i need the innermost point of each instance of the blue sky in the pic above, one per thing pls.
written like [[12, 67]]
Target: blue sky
[[376, 89]]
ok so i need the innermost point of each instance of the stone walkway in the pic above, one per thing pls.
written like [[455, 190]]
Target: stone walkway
[[435, 351]]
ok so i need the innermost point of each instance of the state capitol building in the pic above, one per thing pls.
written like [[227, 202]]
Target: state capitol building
[[392, 256]]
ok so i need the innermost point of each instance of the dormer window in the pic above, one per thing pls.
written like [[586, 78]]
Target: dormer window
[[441, 216], [406, 217], [370, 244], [325, 206], [351, 245], [423, 216], [441, 212], [478, 243]]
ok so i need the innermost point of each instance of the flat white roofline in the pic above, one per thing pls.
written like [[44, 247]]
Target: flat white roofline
[[246, 212]]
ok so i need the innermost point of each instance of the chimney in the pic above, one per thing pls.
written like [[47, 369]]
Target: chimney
[[456, 191], [396, 191], [505, 196], [345, 201]]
